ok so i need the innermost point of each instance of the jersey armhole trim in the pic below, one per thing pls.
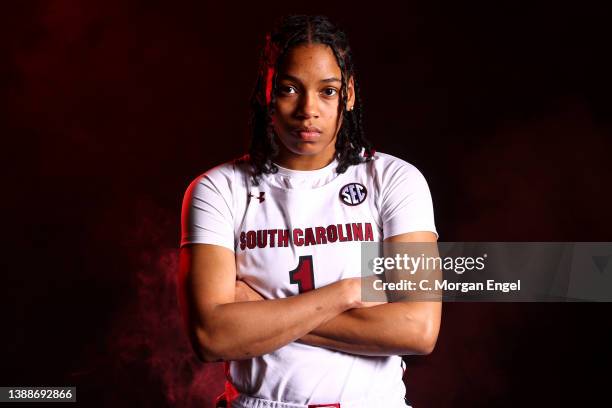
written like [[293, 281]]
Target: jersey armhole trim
[[232, 188]]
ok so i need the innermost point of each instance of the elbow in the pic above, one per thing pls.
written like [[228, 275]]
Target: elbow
[[206, 347], [428, 338], [427, 345], [423, 341]]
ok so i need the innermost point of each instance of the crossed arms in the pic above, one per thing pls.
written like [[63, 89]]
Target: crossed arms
[[227, 320]]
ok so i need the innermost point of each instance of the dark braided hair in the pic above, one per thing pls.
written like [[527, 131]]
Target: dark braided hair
[[292, 31]]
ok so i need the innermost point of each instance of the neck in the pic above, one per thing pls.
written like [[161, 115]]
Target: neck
[[295, 161]]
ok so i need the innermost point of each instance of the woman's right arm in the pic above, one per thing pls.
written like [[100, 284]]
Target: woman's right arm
[[221, 329]]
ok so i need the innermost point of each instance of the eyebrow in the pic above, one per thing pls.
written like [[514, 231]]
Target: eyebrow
[[287, 76]]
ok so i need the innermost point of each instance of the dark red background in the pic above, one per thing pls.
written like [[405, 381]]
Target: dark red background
[[110, 108]]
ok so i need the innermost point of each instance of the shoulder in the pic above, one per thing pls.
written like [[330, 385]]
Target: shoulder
[[386, 168], [222, 179], [223, 173], [405, 200], [385, 159]]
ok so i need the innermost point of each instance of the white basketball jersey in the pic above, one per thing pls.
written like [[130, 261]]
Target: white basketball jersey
[[301, 230]]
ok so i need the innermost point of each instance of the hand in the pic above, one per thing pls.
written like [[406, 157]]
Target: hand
[[357, 295], [244, 293]]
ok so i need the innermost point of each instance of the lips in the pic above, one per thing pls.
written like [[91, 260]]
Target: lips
[[308, 133]]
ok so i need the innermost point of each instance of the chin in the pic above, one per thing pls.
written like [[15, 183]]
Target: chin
[[306, 149]]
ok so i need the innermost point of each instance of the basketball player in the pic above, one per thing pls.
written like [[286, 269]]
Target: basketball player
[[270, 263]]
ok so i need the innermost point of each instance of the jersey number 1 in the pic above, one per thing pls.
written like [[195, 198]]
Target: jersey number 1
[[303, 275]]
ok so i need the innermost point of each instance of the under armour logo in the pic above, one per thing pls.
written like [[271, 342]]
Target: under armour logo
[[261, 197]]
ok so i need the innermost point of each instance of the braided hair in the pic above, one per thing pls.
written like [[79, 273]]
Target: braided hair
[[291, 31]]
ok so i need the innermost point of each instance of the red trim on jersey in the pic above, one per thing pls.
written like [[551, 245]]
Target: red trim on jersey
[[230, 392], [336, 405]]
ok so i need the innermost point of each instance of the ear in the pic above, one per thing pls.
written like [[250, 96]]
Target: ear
[[350, 100]]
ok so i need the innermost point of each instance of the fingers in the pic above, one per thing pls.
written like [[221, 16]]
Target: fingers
[[370, 304], [247, 293]]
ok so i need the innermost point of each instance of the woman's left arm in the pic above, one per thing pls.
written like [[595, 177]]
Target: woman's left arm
[[403, 327], [398, 328]]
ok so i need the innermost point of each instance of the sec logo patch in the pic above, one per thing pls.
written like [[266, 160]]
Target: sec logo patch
[[353, 194]]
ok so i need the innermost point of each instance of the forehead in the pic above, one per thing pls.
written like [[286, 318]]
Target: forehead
[[310, 61]]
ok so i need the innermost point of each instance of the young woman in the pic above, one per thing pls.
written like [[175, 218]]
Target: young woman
[[270, 247]]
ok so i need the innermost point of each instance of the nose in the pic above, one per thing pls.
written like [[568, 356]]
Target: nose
[[308, 106]]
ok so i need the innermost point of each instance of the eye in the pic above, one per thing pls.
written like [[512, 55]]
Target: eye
[[286, 89], [330, 92]]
